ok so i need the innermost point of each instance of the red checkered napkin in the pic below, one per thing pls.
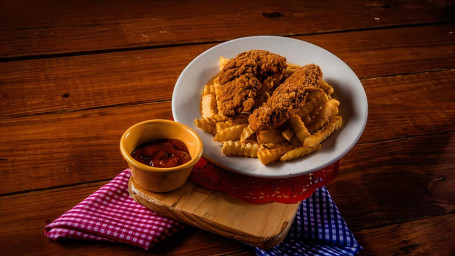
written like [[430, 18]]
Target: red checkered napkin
[[110, 214]]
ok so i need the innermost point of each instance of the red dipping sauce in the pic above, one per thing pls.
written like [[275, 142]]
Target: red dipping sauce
[[162, 153]]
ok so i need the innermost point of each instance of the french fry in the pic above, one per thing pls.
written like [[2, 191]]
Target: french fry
[[326, 87], [237, 148], [319, 136], [230, 133], [315, 100], [231, 122], [208, 89], [291, 68], [330, 108], [208, 105], [270, 136], [215, 118], [208, 124], [224, 124], [287, 134], [222, 61], [299, 152], [217, 87], [299, 127], [269, 146], [246, 133], [268, 156]]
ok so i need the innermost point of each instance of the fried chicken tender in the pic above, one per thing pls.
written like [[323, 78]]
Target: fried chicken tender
[[243, 76], [287, 99]]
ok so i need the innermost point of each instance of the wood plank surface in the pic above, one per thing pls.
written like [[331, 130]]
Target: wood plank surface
[[51, 150], [428, 193], [421, 237], [83, 146], [98, 80], [389, 182], [429, 187], [49, 27], [75, 74], [409, 105], [24, 216]]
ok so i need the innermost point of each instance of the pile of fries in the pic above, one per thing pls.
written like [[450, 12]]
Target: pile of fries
[[300, 135]]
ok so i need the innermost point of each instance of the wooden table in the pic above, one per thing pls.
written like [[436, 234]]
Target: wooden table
[[75, 74]]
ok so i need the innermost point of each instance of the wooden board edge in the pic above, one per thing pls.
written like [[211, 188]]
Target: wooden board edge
[[200, 222]]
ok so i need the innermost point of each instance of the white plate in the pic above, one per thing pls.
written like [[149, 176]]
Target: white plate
[[349, 91]]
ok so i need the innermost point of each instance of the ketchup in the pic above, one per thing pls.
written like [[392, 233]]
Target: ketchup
[[162, 153]]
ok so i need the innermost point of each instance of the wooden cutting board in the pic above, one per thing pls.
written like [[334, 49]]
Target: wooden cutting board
[[261, 225]]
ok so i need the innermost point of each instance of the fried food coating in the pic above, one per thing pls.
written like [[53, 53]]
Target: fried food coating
[[288, 98], [243, 76]]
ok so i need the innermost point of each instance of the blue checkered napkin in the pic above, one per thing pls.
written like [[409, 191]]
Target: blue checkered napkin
[[318, 229]]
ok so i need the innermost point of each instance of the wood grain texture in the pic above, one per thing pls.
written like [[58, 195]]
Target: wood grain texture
[[369, 206], [24, 216], [83, 146], [261, 225], [49, 27], [84, 82], [432, 236], [75, 74], [393, 181], [426, 177], [99, 80], [409, 105], [50, 150]]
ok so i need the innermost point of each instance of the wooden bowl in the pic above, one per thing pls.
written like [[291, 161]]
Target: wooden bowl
[[153, 178]]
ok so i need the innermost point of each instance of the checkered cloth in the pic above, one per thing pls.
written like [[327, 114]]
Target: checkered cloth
[[318, 229], [110, 214]]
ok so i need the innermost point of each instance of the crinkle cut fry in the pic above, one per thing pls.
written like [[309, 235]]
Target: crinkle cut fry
[[318, 137], [221, 125], [270, 136], [246, 133], [230, 133], [291, 68], [316, 99], [208, 106], [237, 148], [222, 61], [330, 108], [208, 89], [224, 124], [327, 88], [209, 124], [287, 134], [217, 88], [299, 127], [268, 156], [299, 152]]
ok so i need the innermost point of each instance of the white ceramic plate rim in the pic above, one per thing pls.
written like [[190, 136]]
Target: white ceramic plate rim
[[348, 88]]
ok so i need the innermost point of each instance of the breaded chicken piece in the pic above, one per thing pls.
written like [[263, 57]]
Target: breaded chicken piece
[[288, 98], [242, 77]]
